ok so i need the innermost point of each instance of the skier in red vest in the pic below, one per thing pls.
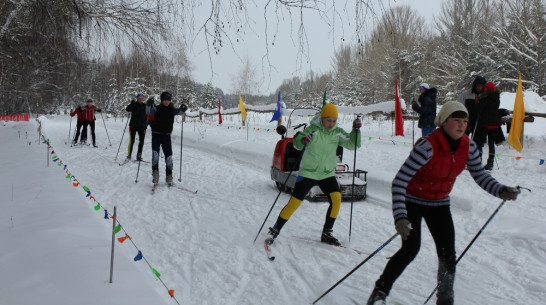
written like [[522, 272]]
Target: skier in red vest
[[421, 190], [89, 120], [80, 115]]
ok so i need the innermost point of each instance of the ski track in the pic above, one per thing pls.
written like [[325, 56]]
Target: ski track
[[190, 238]]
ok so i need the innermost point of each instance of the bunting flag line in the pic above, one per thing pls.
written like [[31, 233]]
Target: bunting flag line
[[514, 137]]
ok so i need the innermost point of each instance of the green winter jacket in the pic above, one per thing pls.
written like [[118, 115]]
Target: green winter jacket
[[319, 159]]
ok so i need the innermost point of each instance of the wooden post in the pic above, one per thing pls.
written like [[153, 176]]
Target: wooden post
[[113, 244]]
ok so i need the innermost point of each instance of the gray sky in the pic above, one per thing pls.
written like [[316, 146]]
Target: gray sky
[[283, 55]]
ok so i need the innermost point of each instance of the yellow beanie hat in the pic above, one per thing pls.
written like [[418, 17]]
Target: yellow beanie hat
[[329, 111]]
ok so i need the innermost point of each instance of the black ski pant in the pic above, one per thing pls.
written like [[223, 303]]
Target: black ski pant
[[92, 125], [489, 135], [132, 133], [163, 141], [78, 129], [440, 225]]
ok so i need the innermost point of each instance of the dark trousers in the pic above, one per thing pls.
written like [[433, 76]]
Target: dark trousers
[[486, 134], [132, 133], [163, 141], [440, 225], [78, 128], [92, 125]]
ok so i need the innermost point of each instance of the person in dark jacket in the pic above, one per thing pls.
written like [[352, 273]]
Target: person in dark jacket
[[89, 120], [426, 108], [469, 98], [162, 127], [80, 116], [137, 124], [420, 190], [489, 122]]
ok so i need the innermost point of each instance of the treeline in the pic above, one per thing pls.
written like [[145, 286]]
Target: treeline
[[48, 55]]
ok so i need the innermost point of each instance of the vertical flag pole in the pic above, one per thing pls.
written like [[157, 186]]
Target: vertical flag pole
[[113, 244]]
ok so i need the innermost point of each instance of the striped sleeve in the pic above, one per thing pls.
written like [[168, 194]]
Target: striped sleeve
[[419, 156], [480, 175]]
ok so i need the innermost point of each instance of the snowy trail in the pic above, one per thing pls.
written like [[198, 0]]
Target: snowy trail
[[202, 243]]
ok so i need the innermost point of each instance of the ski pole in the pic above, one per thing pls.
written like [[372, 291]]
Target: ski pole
[[181, 139], [353, 185], [105, 128], [358, 266], [413, 122], [128, 119], [69, 130], [280, 191], [474, 239], [139, 139]]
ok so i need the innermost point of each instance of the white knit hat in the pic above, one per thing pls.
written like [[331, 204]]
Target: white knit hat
[[424, 86], [447, 109]]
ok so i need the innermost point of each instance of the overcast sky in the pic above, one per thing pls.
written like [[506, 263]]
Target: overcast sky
[[283, 55]]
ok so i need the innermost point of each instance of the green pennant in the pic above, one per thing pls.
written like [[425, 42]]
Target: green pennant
[[324, 98], [498, 157], [97, 207], [370, 138], [155, 272], [117, 229], [68, 176], [85, 188]]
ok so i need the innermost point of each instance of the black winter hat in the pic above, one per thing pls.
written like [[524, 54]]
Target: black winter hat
[[166, 96], [478, 80]]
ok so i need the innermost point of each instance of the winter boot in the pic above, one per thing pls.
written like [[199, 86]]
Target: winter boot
[[139, 157], [377, 297], [155, 176], [271, 235], [95, 144], [169, 180], [128, 158], [328, 238], [489, 165]]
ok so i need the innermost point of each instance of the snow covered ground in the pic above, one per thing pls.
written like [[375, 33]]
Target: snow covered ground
[[55, 247]]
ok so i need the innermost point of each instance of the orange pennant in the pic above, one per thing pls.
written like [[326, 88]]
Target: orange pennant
[[123, 238], [517, 158], [171, 293]]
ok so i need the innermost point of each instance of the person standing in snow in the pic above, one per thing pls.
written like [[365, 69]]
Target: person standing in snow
[[80, 116], [137, 124], [469, 98], [90, 119], [488, 121], [320, 141], [420, 190], [162, 126], [426, 108]]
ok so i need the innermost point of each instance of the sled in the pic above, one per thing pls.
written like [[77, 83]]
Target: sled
[[285, 167]]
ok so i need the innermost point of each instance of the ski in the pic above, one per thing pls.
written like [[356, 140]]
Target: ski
[[339, 246], [268, 251], [185, 189]]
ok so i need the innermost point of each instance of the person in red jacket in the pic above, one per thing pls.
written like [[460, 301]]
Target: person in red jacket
[[421, 190], [489, 121], [89, 120], [80, 115]]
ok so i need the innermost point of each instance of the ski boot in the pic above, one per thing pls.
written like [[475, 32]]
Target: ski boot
[[139, 157], [95, 144], [489, 165], [328, 238], [169, 180], [155, 176], [377, 297], [271, 235]]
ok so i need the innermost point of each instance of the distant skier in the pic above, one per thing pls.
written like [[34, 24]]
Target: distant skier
[[162, 126], [488, 121], [421, 190], [79, 123], [426, 108], [317, 167], [468, 98], [90, 119], [137, 124]]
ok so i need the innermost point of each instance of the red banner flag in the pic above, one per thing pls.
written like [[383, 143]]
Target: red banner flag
[[399, 121], [14, 117], [219, 114]]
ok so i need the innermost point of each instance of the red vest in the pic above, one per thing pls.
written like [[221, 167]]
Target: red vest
[[435, 179], [89, 113]]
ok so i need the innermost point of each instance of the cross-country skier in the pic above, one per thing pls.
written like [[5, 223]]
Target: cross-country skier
[[80, 119], [137, 124], [421, 190]]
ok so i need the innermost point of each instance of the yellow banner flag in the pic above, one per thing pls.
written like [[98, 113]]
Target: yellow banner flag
[[514, 138], [242, 108]]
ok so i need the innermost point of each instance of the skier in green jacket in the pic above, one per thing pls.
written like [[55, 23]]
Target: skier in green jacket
[[320, 141]]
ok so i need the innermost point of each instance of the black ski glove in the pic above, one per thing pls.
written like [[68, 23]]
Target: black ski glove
[[183, 107], [133, 101], [403, 227], [510, 193]]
